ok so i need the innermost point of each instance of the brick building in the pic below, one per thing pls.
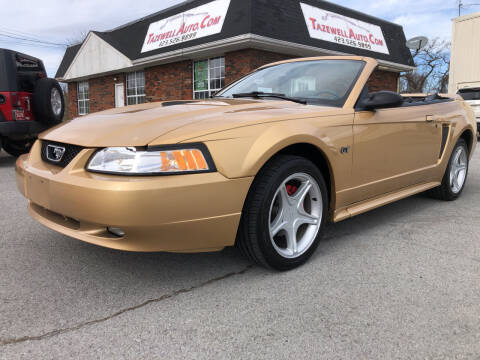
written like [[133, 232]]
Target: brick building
[[197, 47]]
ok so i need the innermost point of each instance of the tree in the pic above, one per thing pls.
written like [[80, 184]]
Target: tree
[[432, 69]]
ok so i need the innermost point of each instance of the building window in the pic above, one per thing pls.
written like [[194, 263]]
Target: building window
[[83, 98], [136, 88], [208, 77]]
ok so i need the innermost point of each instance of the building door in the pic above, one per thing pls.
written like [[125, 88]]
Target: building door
[[119, 95]]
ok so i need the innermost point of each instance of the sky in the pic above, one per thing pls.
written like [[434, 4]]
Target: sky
[[60, 22]]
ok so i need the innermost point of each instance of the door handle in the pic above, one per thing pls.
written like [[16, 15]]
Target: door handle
[[431, 118]]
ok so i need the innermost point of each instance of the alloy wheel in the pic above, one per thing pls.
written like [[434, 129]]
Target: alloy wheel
[[56, 100], [295, 215], [458, 169]]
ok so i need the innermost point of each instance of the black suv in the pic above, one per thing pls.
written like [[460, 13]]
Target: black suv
[[29, 101]]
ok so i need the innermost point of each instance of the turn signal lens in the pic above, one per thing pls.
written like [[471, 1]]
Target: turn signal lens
[[183, 160], [129, 160]]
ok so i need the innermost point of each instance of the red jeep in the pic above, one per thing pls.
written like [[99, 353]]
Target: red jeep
[[29, 101]]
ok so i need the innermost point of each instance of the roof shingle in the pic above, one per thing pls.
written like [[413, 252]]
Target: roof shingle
[[277, 19]]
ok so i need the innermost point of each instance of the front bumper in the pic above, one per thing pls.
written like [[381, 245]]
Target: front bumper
[[184, 213]]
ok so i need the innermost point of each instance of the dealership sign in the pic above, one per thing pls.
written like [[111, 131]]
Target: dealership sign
[[343, 30], [192, 24]]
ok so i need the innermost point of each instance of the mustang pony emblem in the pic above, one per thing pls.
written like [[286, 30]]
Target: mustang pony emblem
[[55, 153]]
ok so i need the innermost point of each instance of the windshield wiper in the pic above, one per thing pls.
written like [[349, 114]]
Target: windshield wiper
[[260, 94]]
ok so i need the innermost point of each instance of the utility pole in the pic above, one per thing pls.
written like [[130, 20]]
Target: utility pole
[[462, 5]]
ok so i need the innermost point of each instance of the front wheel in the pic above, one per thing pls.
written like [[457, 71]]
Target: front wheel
[[284, 214], [455, 177]]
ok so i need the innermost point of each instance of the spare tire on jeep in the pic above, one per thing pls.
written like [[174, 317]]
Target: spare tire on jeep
[[48, 101]]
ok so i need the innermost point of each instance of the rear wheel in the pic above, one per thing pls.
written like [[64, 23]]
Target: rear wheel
[[284, 213], [453, 181], [17, 147]]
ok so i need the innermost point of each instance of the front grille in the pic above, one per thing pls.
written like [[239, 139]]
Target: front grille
[[71, 152]]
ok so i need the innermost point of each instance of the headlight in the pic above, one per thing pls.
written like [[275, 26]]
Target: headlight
[[184, 159]]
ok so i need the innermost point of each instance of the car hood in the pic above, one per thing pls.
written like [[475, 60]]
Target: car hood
[[171, 122]]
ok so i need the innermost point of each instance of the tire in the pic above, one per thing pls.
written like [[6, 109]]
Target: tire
[[275, 197], [17, 147], [48, 101], [448, 190]]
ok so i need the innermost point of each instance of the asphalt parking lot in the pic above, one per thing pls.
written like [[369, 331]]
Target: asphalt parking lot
[[401, 282]]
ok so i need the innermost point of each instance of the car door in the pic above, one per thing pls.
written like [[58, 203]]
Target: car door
[[393, 149]]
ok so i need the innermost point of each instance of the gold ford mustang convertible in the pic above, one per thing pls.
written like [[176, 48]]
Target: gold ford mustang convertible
[[263, 165]]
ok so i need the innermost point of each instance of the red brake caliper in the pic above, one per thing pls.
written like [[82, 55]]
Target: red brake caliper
[[291, 189]]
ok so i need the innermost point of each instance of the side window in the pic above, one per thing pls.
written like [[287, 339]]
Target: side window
[[382, 80], [27, 72], [136, 88], [83, 98], [208, 77]]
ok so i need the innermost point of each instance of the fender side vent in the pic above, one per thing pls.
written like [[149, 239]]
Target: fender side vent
[[445, 133]]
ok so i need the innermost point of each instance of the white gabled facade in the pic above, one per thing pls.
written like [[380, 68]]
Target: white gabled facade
[[96, 56]]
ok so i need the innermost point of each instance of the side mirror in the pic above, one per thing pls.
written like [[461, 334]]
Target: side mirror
[[381, 100]]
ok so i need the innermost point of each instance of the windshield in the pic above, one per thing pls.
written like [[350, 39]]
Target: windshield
[[322, 82]]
